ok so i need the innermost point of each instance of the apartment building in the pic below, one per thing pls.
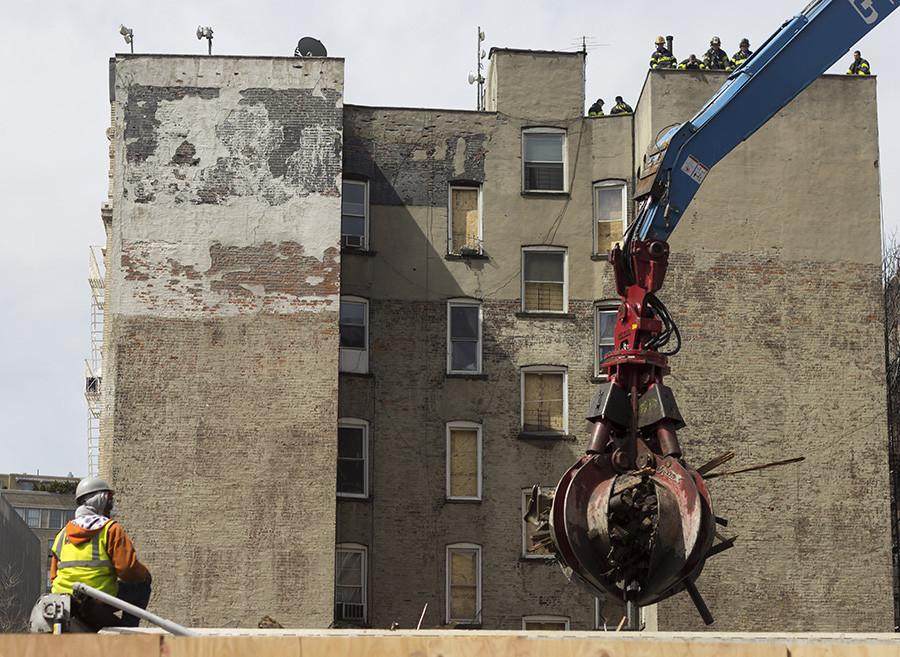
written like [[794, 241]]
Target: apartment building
[[344, 342], [45, 503]]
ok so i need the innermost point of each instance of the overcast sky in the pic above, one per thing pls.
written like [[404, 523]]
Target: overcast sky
[[54, 113]]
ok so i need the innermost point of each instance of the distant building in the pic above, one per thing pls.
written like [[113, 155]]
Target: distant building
[[341, 343], [20, 570], [45, 503]]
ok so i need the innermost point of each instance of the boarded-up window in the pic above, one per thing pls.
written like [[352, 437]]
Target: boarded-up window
[[543, 401], [544, 280], [544, 161], [545, 623], [464, 461], [350, 583], [463, 584], [465, 220], [610, 200], [536, 540]]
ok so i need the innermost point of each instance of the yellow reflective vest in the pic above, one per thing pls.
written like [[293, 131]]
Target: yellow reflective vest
[[87, 562]]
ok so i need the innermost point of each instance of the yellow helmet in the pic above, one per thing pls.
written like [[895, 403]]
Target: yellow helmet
[[659, 40]]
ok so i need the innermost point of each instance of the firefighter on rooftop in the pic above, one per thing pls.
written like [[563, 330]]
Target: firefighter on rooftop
[[597, 108], [621, 107], [859, 66], [715, 58], [741, 55], [691, 64], [662, 56]]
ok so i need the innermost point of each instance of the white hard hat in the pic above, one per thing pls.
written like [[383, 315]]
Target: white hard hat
[[90, 485]]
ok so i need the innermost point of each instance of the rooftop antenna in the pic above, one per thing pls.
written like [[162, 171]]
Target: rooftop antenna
[[205, 33], [127, 34], [479, 78]]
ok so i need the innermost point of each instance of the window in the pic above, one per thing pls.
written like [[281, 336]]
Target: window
[[353, 458], [350, 583], [605, 314], [463, 337], [544, 400], [536, 541], [544, 280], [463, 583], [355, 214], [33, 518], [20, 512], [56, 519], [610, 214], [463, 461], [545, 623], [464, 220], [354, 325], [544, 159]]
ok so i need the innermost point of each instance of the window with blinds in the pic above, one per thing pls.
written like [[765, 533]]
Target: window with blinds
[[544, 403], [463, 461], [544, 280], [465, 220], [463, 583]]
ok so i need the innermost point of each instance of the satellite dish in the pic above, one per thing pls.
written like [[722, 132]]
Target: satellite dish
[[472, 78], [310, 47]]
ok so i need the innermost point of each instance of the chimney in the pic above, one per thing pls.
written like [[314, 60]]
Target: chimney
[[669, 40]]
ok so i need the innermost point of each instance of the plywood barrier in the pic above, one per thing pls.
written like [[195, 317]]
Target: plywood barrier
[[317, 643]]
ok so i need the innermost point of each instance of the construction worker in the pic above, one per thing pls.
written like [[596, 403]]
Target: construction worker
[[96, 551], [621, 107], [715, 58], [662, 57], [691, 64], [597, 108], [859, 66], [741, 55]]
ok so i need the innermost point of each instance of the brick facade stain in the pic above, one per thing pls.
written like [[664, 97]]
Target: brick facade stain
[[222, 374]]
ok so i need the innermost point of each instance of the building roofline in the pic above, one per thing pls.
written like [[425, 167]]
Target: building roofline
[[576, 53], [420, 109], [128, 55]]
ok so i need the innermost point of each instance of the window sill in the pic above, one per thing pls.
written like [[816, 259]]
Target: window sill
[[600, 257], [552, 193], [469, 377], [525, 314], [600, 379], [353, 498], [549, 558], [359, 252], [361, 375], [460, 500], [466, 256], [534, 435], [460, 625]]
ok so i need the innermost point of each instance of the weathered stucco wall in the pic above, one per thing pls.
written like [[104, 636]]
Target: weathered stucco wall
[[221, 347], [774, 282], [536, 84]]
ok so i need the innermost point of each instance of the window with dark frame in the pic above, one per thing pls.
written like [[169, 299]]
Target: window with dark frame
[[544, 160], [354, 214], [464, 332], [544, 280], [352, 465], [354, 335]]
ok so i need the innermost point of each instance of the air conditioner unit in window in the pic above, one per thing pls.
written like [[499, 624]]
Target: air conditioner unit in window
[[352, 241], [349, 611]]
